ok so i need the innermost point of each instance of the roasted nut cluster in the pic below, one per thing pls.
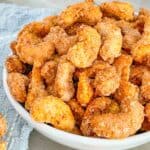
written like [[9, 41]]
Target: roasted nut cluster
[[86, 70]]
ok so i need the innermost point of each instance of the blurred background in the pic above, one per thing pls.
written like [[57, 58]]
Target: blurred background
[[62, 3], [39, 3]]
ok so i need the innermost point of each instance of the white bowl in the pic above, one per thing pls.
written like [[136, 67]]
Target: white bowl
[[72, 140]]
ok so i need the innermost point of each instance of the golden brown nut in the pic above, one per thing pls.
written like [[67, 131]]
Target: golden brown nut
[[130, 34], [77, 111], [63, 85], [106, 81], [130, 39], [111, 47], [140, 75], [96, 121], [141, 50], [140, 21], [136, 74], [61, 40], [122, 64], [13, 64], [119, 10], [18, 84], [145, 88], [53, 110], [3, 126], [48, 71], [39, 28], [85, 12], [72, 30], [31, 40], [113, 108], [130, 118], [146, 123], [50, 89], [141, 54], [84, 89], [145, 93], [95, 107], [127, 90], [85, 51], [36, 89], [97, 66]]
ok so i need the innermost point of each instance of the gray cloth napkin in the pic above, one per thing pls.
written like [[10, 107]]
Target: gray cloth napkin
[[12, 19]]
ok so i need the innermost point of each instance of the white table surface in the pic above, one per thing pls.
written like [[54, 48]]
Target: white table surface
[[37, 141]]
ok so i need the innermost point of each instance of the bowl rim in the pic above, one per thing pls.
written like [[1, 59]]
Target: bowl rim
[[145, 136]]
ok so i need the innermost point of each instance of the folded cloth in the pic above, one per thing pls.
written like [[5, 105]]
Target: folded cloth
[[12, 18]]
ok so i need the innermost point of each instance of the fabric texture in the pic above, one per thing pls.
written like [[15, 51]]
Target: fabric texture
[[12, 19]]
